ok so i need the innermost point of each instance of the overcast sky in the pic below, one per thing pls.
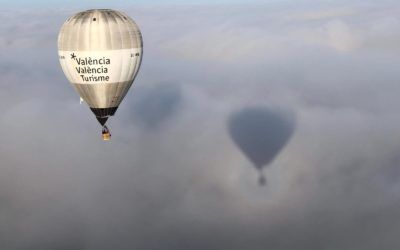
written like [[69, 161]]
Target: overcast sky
[[172, 177]]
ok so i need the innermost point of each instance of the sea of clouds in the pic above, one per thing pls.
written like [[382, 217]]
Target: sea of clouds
[[171, 177]]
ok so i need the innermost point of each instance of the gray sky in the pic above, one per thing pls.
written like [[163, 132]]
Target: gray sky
[[171, 177]]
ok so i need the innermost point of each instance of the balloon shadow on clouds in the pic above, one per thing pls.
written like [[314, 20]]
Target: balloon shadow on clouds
[[261, 133], [153, 106]]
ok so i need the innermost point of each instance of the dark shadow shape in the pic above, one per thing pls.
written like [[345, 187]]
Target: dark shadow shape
[[261, 133], [153, 106]]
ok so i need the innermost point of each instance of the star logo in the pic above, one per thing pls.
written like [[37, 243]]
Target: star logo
[[73, 56]]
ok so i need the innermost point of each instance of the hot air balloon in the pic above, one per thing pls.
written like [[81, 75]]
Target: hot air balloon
[[100, 52], [261, 134]]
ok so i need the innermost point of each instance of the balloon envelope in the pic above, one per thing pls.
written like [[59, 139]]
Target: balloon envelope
[[260, 133], [100, 52]]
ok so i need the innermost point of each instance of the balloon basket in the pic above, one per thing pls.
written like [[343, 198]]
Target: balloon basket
[[106, 137]]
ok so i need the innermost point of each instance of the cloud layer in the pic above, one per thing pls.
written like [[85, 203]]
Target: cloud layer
[[171, 177]]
